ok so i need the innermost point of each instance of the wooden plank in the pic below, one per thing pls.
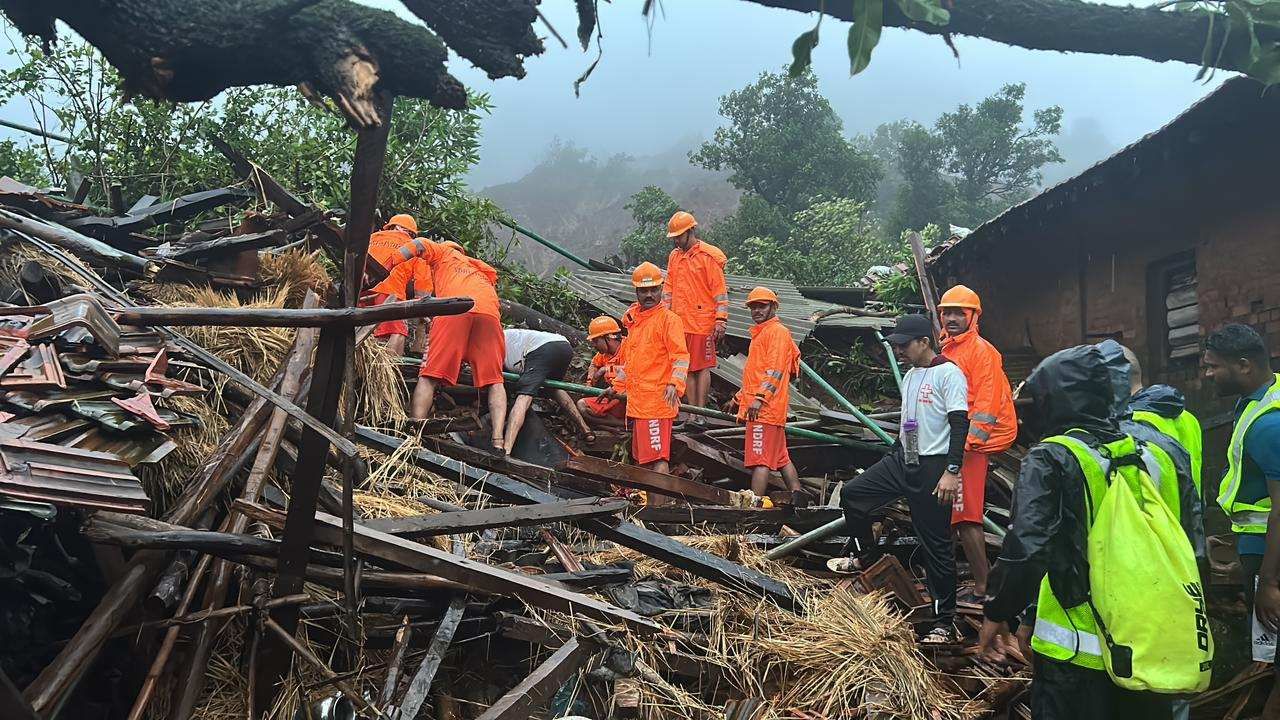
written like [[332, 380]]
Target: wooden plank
[[1181, 297], [744, 519], [635, 476], [1183, 335], [420, 686], [544, 681], [1189, 315], [424, 558], [452, 523], [507, 489]]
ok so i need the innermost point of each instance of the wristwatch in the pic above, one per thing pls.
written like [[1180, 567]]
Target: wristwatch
[[953, 469]]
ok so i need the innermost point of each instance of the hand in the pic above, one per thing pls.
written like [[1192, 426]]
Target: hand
[[753, 410], [991, 638], [670, 395], [609, 394], [1266, 605], [947, 488], [721, 328]]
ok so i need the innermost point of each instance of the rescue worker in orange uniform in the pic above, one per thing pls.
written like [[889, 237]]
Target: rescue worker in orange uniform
[[993, 425], [652, 370], [697, 293], [399, 231], [475, 336], [772, 360], [605, 335]]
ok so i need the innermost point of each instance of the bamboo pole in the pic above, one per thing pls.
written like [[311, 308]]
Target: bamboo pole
[[871, 425]]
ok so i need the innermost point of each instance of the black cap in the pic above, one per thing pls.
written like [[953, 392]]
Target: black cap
[[908, 328]]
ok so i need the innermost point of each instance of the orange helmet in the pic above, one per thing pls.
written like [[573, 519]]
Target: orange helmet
[[601, 326], [646, 275], [454, 245], [961, 297], [762, 294], [405, 221], [680, 223]]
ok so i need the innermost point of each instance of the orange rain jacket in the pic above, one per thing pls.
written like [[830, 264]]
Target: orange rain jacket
[[772, 361], [696, 289], [993, 426], [384, 244], [454, 274], [610, 365], [396, 284], [652, 356]]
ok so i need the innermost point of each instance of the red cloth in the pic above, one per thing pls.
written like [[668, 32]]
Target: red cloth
[[972, 497], [601, 407], [390, 327], [472, 337], [702, 351], [765, 445], [650, 440]]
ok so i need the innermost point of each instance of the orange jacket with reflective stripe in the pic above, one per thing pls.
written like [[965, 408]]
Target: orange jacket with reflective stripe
[[772, 361], [454, 274], [696, 289], [384, 244], [652, 357], [609, 363], [397, 281], [993, 425]]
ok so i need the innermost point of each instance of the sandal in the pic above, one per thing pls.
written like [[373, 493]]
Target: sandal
[[940, 635], [844, 565], [589, 437]]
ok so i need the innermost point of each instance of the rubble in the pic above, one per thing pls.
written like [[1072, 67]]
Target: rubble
[[155, 368]]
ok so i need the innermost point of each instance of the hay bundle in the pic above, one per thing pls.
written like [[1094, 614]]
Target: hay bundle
[[298, 270], [255, 351]]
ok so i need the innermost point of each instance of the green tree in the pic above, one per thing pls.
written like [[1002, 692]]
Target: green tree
[[786, 145], [974, 162], [832, 242], [650, 208]]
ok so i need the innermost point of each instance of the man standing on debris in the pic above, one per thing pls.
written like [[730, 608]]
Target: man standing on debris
[[1237, 362], [475, 336], [772, 360], [923, 468], [697, 293], [1044, 561], [992, 424], [652, 369], [605, 335], [537, 356], [384, 244]]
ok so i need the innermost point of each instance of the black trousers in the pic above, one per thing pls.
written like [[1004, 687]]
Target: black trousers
[[888, 480], [1062, 691]]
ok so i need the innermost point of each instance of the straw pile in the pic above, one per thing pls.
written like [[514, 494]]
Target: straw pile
[[843, 655], [296, 269]]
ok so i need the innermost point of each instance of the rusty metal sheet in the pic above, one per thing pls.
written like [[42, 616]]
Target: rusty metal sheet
[[69, 476], [133, 449], [78, 311], [35, 402], [50, 427], [113, 417], [38, 369], [161, 387]]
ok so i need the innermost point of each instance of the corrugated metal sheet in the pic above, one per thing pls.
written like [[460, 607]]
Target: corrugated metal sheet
[[67, 476], [611, 293], [730, 370]]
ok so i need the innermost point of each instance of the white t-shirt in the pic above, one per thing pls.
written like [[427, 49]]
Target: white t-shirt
[[928, 394], [521, 342]]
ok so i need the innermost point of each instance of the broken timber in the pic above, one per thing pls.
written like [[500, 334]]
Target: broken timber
[[634, 476], [281, 317], [542, 682], [452, 523], [420, 686], [428, 559], [656, 545]]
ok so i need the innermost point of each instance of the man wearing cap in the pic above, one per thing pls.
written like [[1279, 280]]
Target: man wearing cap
[[923, 468], [383, 244], [653, 367], [605, 335], [475, 336], [697, 293], [772, 360], [992, 424]]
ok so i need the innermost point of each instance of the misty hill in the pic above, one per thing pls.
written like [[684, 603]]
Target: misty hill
[[578, 201]]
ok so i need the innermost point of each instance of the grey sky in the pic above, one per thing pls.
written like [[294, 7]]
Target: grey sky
[[652, 91]]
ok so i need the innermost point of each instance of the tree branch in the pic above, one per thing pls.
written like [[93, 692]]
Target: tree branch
[[1066, 26]]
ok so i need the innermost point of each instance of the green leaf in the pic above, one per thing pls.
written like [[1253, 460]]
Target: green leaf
[[1267, 67], [1206, 58], [802, 52], [928, 11], [868, 19]]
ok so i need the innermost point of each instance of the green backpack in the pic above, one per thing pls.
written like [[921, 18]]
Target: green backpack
[[1144, 584]]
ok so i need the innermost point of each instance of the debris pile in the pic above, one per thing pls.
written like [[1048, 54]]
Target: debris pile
[[473, 584]]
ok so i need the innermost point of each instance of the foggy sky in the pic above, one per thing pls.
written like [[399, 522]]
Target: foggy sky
[[652, 91]]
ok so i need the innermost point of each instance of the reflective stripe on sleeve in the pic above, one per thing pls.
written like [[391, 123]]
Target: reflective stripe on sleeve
[[979, 433], [983, 417], [1054, 634]]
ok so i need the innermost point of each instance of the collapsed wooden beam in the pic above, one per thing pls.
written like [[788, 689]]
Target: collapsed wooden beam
[[656, 545], [542, 683], [219, 544], [634, 476], [420, 686], [284, 317], [416, 556], [452, 523], [95, 252]]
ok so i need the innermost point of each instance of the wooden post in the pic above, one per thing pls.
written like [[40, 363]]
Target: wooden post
[[927, 290], [542, 682]]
